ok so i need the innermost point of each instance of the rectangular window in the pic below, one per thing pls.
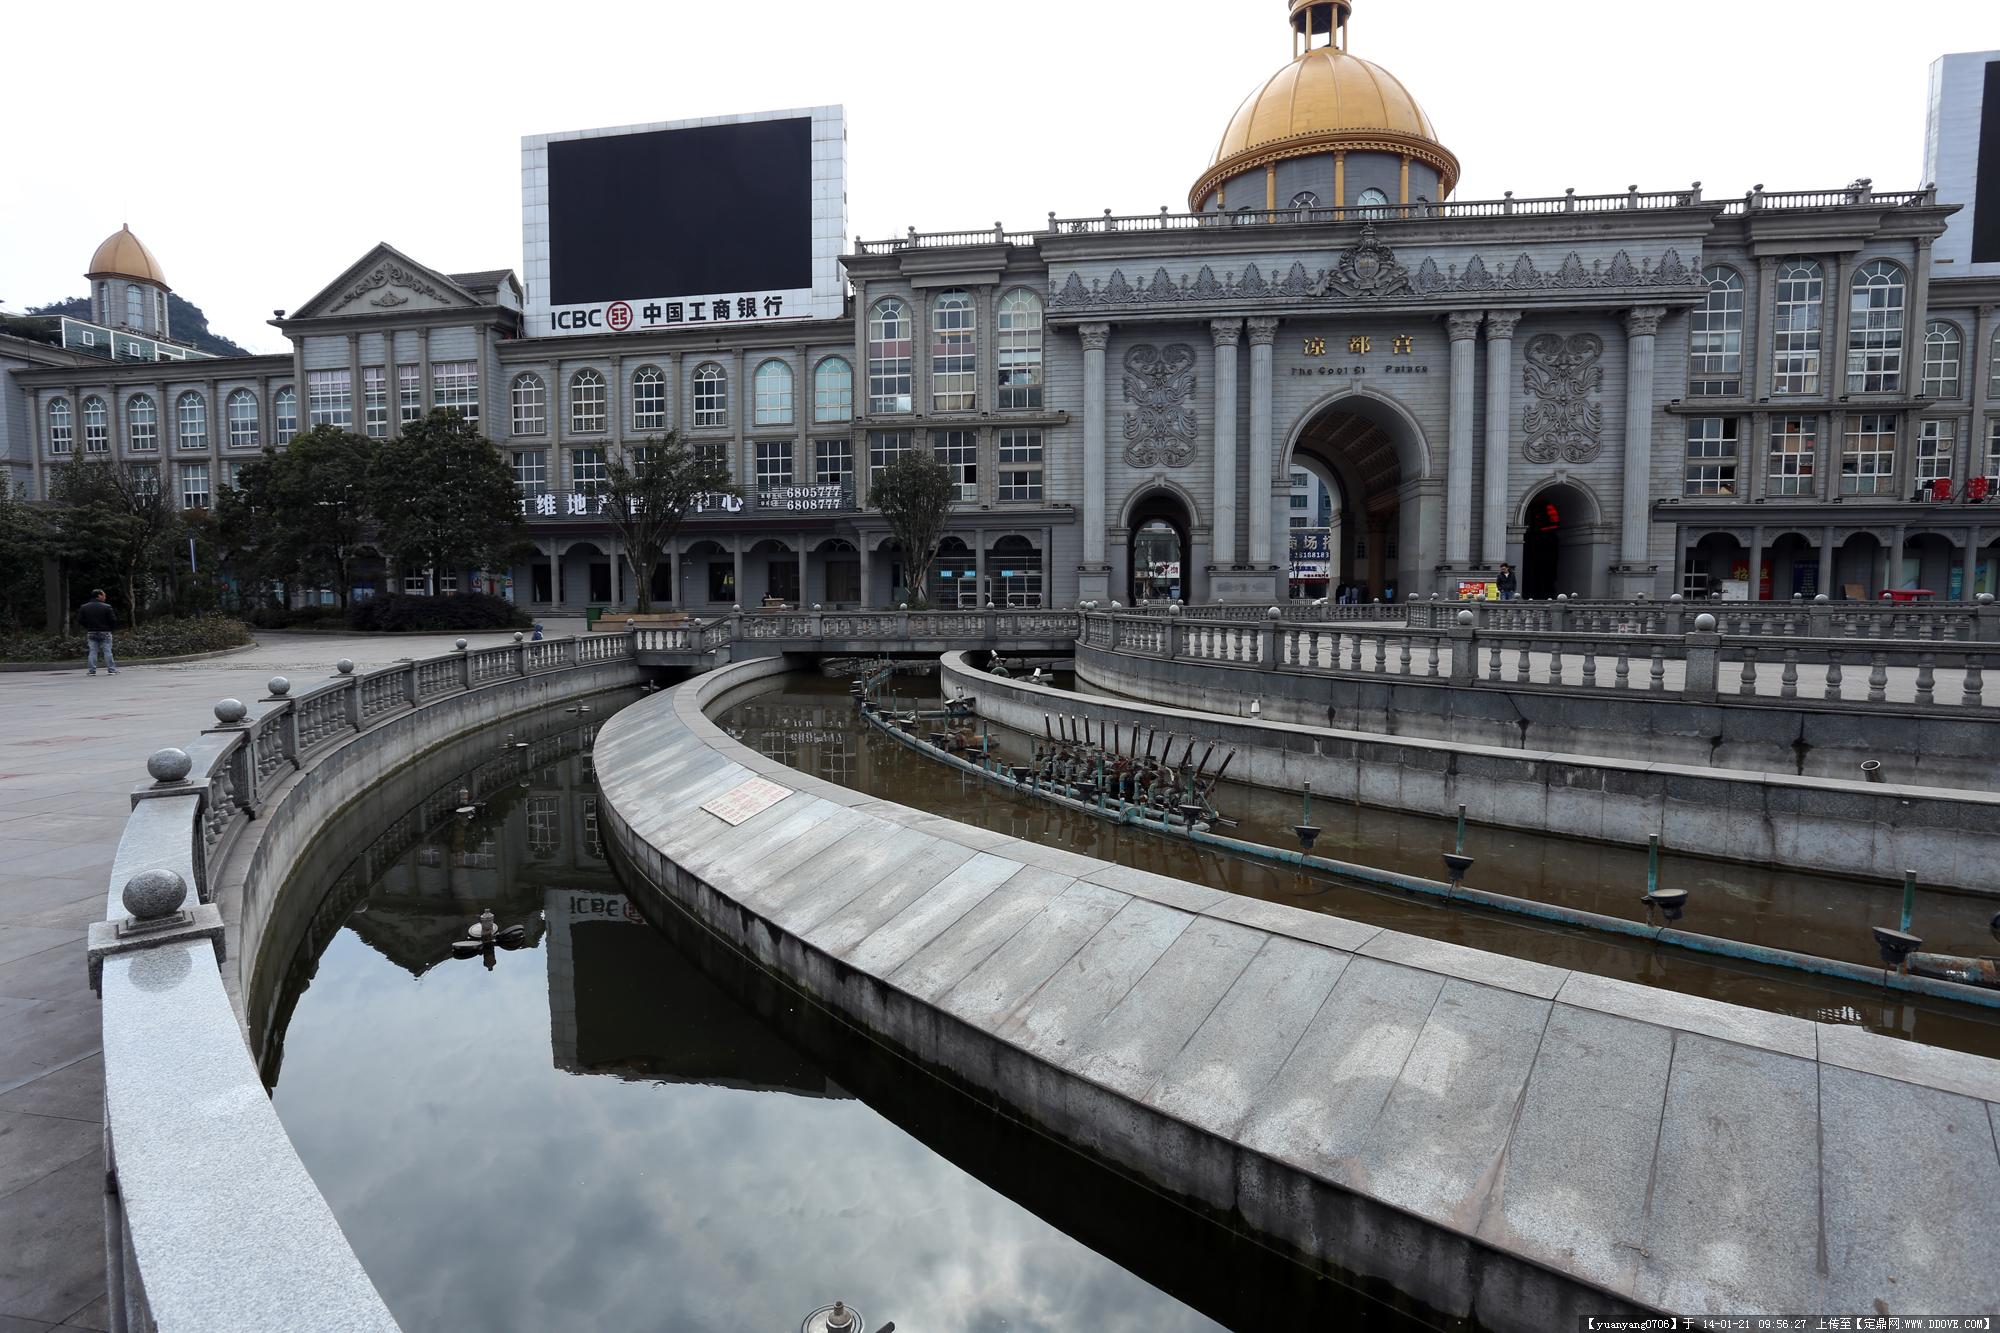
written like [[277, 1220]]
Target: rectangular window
[[229, 476], [1299, 478], [1019, 454], [1019, 367], [62, 436], [1795, 335], [1868, 455], [531, 471], [142, 425], [194, 485], [1794, 454], [954, 367], [715, 453], [409, 395], [711, 397], [242, 420], [649, 399], [531, 406], [774, 463], [1300, 520], [456, 384], [1711, 456], [375, 401], [96, 427], [958, 450], [1935, 443], [330, 399], [1993, 456], [587, 470], [1300, 501], [146, 479], [833, 391], [833, 463], [1940, 378], [191, 415], [884, 448], [772, 389]]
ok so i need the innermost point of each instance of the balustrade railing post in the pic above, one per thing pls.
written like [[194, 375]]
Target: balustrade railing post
[[1703, 656], [410, 683], [464, 651], [1558, 617], [351, 688], [573, 650], [1464, 650], [1267, 638], [1986, 619], [520, 655], [1819, 617]]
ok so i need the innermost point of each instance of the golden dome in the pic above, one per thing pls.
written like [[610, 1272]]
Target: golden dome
[[1322, 101], [124, 255]]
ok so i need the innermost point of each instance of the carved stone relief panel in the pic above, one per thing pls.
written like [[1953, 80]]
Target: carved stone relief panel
[[1563, 421], [1161, 428]]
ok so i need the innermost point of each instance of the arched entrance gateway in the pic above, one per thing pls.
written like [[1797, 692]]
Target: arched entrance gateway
[[1157, 550], [1371, 457], [1565, 547]]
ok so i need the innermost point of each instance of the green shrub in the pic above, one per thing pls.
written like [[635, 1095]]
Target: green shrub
[[308, 617], [466, 611], [155, 638]]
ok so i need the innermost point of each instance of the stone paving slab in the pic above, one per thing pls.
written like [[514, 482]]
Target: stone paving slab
[[1155, 1019], [1693, 1013], [879, 897], [1572, 1191], [1071, 1004], [1018, 967], [930, 915], [938, 966]]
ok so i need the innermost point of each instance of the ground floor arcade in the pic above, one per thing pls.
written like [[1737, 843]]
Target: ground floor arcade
[[1951, 561]]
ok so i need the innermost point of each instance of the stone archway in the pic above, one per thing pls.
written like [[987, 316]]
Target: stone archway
[[1563, 545], [1371, 455], [1158, 548]]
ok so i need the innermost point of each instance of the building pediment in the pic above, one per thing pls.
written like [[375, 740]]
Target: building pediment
[[386, 281]]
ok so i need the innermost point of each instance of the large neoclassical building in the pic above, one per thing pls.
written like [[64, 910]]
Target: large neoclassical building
[[1620, 394]]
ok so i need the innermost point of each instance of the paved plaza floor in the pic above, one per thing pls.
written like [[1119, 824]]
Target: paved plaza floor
[[71, 749]]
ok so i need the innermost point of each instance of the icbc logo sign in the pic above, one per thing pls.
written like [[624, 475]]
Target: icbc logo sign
[[619, 317]]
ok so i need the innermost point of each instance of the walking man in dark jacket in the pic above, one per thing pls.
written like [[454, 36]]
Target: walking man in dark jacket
[[98, 620]]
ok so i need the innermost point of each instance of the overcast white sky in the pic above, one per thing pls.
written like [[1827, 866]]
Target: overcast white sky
[[260, 149]]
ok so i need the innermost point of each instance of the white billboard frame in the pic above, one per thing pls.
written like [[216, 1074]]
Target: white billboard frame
[[825, 299]]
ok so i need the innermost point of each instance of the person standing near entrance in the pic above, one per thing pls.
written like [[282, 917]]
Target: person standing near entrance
[[1506, 583], [98, 620]]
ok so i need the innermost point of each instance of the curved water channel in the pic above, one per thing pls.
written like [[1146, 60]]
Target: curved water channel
[[810, 722], [621, 1125]]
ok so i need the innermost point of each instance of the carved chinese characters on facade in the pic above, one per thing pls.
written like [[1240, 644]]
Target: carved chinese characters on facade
[[1562, 422], [1159, 385]]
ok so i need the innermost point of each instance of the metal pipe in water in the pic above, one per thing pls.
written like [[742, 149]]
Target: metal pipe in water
[[1909, 897], [1652, 864], [1459, 846]]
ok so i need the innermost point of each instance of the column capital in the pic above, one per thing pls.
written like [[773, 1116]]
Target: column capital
[[1094, 336], [1226, 332], [1643, 321], [1263, 330], [1500, 324], [1464, 324]]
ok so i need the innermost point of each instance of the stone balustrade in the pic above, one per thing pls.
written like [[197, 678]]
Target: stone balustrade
[[212, 1222]]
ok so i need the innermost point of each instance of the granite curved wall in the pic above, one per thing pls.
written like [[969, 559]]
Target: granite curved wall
[[1409, 1113]]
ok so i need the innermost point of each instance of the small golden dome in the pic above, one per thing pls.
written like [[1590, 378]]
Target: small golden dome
[[124, 255], [1325, 100]]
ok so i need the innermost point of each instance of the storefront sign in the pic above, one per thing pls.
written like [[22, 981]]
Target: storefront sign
[[803, 499], [1478, 590], [681, 312]]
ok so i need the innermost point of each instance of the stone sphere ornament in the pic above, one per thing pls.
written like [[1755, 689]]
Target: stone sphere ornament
[[169, 765], [230, 711], [1465, 617], [278, 686], [345, 666], [520, 637], [460, 645], [1274, 614], [1676, 598], [1705, 623], [1821, 599], [152, 894]]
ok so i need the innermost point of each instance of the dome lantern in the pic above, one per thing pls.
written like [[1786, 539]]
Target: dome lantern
[[1329, 130], [127, 288]]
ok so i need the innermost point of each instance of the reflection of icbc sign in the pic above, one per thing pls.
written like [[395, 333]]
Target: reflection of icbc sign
[[619, 317]]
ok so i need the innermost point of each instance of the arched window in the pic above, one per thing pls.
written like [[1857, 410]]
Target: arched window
[[1941, 345], [285, 415], [135, 306], [1875, 329], [1373, 200], [833, 390], [1019, 336], [1993, 360], [160, 313], [649, 398], [711, 395], [191, 420], [62, 429], [242, 412], [1795, 326], [142, 424], [96, 426], [530, 401], [891, 350], [954, 355], [1715, 335], [1305, 199], [586, 402], [772, 387]]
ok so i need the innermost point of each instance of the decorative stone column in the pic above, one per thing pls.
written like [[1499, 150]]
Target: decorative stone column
[[1499, 402], [1093, 572], [1642, 325], [1263, 333], [1826, 561], [1464, 328], [865, 544], [1227, 333]]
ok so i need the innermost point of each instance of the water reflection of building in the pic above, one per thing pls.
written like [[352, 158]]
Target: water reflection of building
[[622, 1001]]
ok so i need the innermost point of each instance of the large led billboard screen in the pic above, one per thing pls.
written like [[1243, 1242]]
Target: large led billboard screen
[[726, 219]]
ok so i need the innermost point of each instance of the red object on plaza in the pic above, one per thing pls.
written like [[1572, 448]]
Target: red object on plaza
[[1908, 595]]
